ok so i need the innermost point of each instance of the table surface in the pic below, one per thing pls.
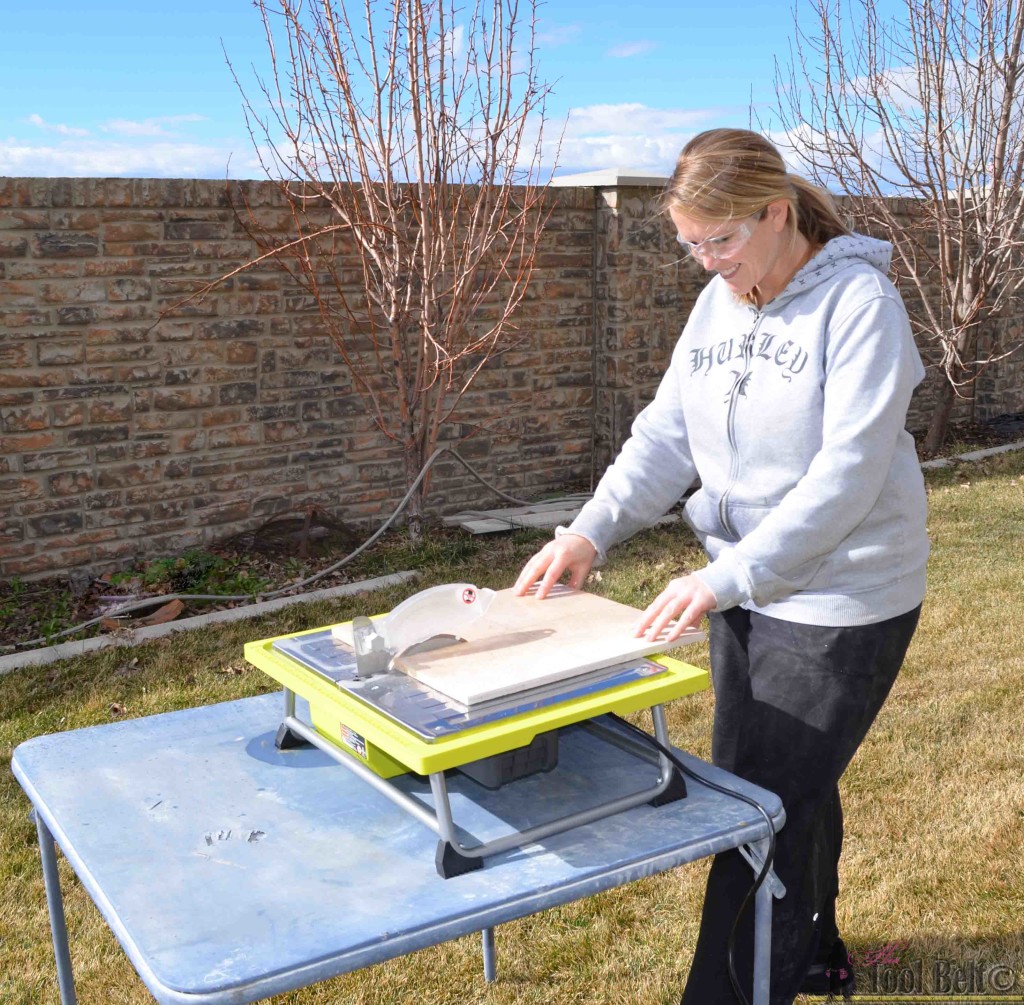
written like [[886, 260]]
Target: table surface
[[231, 871]]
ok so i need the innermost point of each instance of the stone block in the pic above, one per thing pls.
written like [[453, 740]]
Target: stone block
[[66, 244], [132, 230], [241, 393], [26, 318], [13, 246], [70, 483], [221, 417], [176, 399], [129, 289], [241, 353], [72, 291], [76, 315], [225, 329], [95, 435], [234, 436], [23, 443], [17, 490], [24, 420], [52, 524], [110, 410]]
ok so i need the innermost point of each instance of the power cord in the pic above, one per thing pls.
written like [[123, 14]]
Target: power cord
[[768, 859], [294, 587]]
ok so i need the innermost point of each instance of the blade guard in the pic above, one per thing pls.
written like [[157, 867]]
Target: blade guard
[[439, 610]]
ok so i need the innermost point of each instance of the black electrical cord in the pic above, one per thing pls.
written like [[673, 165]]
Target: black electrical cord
[[769, 857]]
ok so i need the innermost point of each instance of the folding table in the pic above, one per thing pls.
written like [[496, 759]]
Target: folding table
[[230, 870]]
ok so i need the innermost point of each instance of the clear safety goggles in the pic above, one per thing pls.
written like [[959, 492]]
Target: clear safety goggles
[[723, 245]]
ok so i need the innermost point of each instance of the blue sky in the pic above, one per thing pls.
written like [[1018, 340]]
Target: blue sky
[[142, 89]]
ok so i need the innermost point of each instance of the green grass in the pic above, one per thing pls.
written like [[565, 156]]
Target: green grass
[[934, 800]]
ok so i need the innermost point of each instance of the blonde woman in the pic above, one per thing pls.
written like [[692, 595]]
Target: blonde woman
[[786, 397]]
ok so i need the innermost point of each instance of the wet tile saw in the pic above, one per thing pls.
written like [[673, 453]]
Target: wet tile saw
[[480, 681]]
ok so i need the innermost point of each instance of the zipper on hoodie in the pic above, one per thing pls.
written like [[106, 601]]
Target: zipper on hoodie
[[730, 427]]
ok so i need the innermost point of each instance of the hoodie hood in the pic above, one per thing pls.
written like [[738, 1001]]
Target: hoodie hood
[[838, 254]]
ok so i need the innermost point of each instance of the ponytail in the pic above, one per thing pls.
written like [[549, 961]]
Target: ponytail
[[817, 216]]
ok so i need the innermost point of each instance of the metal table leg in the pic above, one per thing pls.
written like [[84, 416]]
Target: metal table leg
[[55, 905], [772, 887], [490, 956]]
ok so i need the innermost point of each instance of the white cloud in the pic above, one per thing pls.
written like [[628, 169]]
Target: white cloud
[[559, 34], [98, 159], [123, 148], [62, 130], [635, 117], [628, 135], [626, 49]]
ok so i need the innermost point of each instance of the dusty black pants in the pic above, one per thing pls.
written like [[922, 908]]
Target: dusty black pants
[[792, 704]]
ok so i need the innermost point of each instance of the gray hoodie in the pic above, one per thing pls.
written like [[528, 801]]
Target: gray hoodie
[[811, 503]]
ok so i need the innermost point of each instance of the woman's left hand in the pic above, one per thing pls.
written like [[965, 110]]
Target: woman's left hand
[[686, 598]]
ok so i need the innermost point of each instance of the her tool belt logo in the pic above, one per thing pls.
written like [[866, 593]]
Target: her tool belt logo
[[889, 973]]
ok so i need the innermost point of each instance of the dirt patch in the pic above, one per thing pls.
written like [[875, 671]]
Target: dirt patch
[[277, 556]]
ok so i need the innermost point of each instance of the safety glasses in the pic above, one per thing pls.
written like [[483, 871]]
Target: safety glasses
[[723, 245]]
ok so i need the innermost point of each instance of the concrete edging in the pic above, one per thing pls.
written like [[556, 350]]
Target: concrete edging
[[973, 455], [134, 636]]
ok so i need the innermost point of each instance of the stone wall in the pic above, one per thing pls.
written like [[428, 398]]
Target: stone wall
[[126, 433]]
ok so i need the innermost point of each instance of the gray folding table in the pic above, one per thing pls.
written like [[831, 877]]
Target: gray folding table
[[231, 871]]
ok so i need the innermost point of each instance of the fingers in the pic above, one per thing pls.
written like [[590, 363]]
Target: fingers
[[567, 553], [685, 600], [535, 570]]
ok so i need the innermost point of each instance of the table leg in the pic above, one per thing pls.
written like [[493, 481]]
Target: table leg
[[55, 905], [490, 956], [770, 888]]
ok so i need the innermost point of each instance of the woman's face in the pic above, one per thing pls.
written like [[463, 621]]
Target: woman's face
[[756, 251]]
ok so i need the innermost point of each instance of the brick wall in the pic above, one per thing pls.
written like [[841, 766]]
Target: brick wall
[[123, 435]]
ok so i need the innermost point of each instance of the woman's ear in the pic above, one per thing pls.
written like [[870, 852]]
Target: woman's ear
[[778, 214]]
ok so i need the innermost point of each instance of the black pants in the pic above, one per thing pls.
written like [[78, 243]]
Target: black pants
[[792, 704]]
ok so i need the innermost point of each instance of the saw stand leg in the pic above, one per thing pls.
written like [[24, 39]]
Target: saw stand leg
[[452, 858], [287, 738]]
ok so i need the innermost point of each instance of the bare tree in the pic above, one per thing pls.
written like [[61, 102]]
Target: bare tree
[[930, 108], [405, 136]]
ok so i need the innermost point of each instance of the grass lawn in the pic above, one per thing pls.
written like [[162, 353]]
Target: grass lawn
[[933, 866]]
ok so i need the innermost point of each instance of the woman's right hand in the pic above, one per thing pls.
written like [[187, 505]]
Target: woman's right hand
[[566, 553]]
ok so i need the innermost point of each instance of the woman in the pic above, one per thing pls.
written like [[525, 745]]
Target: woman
[[786, 397]]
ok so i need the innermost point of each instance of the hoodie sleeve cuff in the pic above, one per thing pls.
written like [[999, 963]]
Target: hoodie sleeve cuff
[[724, 578]]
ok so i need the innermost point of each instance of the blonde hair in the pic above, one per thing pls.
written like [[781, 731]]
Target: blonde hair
[[729, 174]]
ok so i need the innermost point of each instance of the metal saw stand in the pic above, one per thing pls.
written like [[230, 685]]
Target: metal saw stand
[[377, 747], [453, 858]]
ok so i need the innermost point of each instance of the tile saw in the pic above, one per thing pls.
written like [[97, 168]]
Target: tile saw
[[478, 681]]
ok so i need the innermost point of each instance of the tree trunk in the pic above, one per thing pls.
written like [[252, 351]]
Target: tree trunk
[[414, 509], [939, 422]]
